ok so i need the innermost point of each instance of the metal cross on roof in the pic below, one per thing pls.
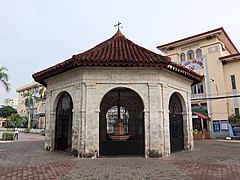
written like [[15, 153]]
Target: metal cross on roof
[[118, 25]]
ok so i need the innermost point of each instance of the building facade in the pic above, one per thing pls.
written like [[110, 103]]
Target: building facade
[[8, 102], [118, 99], [37, 110], [213, 55], [11, 102]]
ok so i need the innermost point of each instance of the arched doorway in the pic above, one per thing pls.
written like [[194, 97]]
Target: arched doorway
[[63, 130], [176, 124], [121, 123]]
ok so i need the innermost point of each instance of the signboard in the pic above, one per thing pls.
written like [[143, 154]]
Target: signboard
[[194, 64], [235, 129], [224, 125]]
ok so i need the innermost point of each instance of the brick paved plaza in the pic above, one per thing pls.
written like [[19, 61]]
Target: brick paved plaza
[[26, 159]]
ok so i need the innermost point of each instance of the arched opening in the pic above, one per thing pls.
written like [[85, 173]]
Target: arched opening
[[190, 55], [121, 123], [176, 123], [63, 130], [198, 53], [182, 57]]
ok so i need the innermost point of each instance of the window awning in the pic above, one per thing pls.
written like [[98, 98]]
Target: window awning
[[201, 115]]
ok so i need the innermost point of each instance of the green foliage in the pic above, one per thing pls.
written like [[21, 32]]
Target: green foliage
[[7, 136], [42, 93], [4, 78], [6, 111], [234, 119], [16, 120], [24, 122], [29, 98]]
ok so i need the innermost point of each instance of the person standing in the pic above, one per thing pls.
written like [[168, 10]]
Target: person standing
[[16, 133]]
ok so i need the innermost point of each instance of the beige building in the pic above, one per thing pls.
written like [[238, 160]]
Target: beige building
[[11, 102], [38, 109], [8, 102], [2, 122], [213, 55], [118, 98]]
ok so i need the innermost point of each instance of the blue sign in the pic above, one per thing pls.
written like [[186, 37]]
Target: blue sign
[[224, 125], [216, 126], [236, 129]]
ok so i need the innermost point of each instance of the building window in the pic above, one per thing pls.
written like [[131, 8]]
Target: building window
[[182, 57], [233, 81], [216, 126], [198, 88], [199, 53], [190, 54]]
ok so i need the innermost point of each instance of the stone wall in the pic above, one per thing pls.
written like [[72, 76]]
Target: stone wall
[[87, 86]]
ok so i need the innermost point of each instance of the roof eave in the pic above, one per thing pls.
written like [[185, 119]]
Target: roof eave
[[197, 37], [230, 57]]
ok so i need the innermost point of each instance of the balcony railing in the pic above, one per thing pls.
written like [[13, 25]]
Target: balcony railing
[[198, 96]]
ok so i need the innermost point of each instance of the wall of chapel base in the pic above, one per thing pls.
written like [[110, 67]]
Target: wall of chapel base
[[87, 86]]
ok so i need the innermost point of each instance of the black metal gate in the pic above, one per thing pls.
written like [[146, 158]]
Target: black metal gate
[[63, 131], [121, 110], [176, 124]]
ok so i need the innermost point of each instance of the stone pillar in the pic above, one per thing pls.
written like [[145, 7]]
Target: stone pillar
[[147, 131], [92, 122], [190, 144], [52, 127], [49, 127], [155, 149], [166, 132], [187, 123], [76, 119], [82, 122]]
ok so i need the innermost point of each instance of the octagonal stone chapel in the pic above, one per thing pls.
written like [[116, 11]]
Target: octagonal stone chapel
[[118, 98]]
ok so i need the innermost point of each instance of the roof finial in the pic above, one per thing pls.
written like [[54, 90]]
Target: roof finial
[[118, 25]]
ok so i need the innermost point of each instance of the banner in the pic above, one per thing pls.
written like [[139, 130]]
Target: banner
[[234, 130]]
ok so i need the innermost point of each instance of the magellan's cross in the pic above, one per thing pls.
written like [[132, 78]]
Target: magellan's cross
[[118, 25]]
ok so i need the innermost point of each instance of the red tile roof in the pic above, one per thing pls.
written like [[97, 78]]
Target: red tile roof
[[117, 51]]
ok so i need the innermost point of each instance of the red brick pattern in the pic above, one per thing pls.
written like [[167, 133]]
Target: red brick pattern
[[210, 160], [207, 171], [54, 170]]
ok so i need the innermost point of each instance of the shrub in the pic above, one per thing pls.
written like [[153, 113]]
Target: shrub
[[7, 136], [26, 130]]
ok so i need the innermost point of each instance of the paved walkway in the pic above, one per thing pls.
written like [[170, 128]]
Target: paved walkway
[[26, 159]]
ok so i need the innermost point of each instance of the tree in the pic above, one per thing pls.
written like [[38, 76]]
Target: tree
[[42, 93], [6, 111], [234, 119], [4, 78], [15, 119], [29, 103]]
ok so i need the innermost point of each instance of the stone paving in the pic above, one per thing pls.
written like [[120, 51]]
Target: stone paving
[[26, 159]]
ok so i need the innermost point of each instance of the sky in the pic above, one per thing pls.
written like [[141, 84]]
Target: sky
[[35, 35]]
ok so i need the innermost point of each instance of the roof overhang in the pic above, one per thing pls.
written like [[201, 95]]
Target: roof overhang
[[117, 51], [232, 57], [201, 115], [28, 86], [219, 33]]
